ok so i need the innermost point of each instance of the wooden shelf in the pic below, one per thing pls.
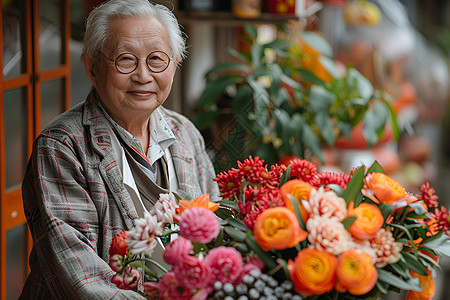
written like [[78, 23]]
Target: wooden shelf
[[228, 19]]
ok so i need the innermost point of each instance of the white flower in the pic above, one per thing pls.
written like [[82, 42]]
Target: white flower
[[327, 204], [328, 235], [165, 208], [142, 237]]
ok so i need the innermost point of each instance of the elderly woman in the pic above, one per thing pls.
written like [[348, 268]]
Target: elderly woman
[[100, 165]]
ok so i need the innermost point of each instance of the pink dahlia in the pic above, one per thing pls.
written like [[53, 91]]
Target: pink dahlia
[[177, 250], [328, 235], [225, 264], [253, 170], [192, 273], [386, 248], [327, 204], [169, 288], [199, 224]]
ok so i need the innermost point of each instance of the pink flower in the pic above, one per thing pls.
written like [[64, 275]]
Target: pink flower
[[169, 288], [151, 289], [129, 280], [199, 224], [328, 235], [327, 204], [192, 273], [142, 238], [176, 250], [255, 260], [165, 208], [116, 263], [225, 263]]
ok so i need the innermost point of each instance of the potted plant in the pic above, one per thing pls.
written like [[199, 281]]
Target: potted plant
[[286, 97]]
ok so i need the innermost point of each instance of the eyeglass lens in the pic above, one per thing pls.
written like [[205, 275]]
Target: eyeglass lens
[[157, 62]]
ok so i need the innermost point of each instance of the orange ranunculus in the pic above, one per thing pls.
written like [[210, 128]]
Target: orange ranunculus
[[355, 273], [313, 271], [278, 228], [428, 288], [383, 189], [368, 220], [300, 191], [200, 201]]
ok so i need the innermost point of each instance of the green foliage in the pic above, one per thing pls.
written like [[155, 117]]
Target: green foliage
[[278, 107]]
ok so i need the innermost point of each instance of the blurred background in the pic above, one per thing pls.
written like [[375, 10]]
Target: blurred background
[[401, 47]]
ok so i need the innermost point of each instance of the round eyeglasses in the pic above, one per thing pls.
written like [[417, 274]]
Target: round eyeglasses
[[157, 62]]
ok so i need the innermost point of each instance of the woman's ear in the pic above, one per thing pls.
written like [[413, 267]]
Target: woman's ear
[[88, 67]]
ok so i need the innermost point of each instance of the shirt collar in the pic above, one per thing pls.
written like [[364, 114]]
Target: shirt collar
[[161, 137]]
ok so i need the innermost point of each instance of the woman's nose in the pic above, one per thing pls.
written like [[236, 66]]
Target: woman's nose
[[142, 72]]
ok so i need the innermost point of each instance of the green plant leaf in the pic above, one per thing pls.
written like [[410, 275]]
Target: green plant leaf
[[278, 44], [363, 85], [251, 30], [375, 167], [260, 95], [440, 243], [317, 42], [320, 98], [326, 128], [347, 222], [374, 122], [229, 204], [330, 65], [297, 211], [238, 224], [235, 234], [257, 53], [401, 268], [309, 76], [214, 89], [285, 177], [414, 263], [223, 213], [354, 186], [312, 142], [227, 66], [204, 119], [239, 55], [264, 256], [389, 278]]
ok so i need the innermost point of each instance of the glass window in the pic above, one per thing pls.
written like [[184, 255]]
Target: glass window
[[50, 34], [15, 136], [16, 260], [14, 21], [52, 99]]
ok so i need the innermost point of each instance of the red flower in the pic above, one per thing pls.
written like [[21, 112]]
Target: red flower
[[230, 183], [253, 170], [428, 196], [119, 244], [340, 179], [442, 218], [304, 170]]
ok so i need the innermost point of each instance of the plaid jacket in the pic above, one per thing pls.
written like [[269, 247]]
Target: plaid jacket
[[75, 201]]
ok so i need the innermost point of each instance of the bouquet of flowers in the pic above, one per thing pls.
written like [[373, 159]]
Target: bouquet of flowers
[[291, 232]]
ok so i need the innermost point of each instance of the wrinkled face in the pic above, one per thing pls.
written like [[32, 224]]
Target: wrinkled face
[[127, 96]]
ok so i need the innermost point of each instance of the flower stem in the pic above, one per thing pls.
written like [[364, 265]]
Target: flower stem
[[155, 263]]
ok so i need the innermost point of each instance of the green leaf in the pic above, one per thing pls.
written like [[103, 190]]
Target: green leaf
[[238, 224], [297, 211], [285, 177], [408, 233], [320, 98], [330, 65], [312, 142], [326, 128], [223, 213], [204, 119], [260, 95], [251, 30], [363, 85], [440, 244], [264, 256], [347, 222], [414, 263], [375, 167], [214, 89], [227, 66], [393, 120], [387, 277], [235, 234], [229, 203], [425, 259], [278, 44], [401, 268], [291, 82], [257, 53], [354, 186], [374, 121], [239, 55], [309, 76], [317, 42], [336, 188]]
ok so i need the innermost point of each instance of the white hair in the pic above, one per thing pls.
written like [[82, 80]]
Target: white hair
[[97, 22]]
